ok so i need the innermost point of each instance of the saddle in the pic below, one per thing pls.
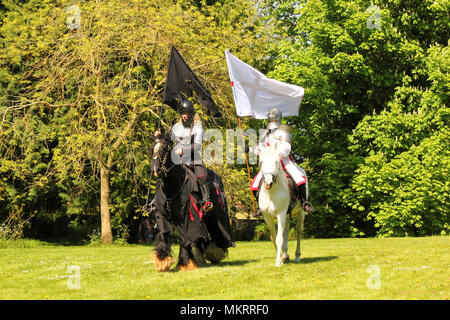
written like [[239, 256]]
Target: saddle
[[192, 178]]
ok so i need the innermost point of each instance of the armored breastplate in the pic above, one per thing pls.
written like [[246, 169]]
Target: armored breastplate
[[191, 141], [265, 137], [182, 135]]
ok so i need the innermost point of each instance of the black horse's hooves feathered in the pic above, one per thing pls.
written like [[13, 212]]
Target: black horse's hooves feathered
[[189, 266], [163, 264]]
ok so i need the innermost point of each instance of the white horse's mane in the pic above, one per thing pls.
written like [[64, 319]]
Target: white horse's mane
[[269, 154], [269, 150]]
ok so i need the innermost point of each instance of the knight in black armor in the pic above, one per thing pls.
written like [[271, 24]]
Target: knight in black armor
[[187, 133]]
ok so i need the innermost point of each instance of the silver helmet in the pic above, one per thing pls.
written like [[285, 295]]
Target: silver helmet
[[274, 118], [283, 133]]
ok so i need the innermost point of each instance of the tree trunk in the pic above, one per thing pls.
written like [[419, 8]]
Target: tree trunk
[[104, 205]]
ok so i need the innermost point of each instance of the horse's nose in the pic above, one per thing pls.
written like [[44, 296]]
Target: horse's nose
[[268, 181]]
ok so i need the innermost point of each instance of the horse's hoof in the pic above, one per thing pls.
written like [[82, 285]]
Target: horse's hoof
[[163, 265], [190, 266], [286, 260]]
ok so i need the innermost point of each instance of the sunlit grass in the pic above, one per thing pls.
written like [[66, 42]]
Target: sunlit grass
[[409, 268]]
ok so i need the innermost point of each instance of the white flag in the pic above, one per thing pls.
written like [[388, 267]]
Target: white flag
[[255, 94]]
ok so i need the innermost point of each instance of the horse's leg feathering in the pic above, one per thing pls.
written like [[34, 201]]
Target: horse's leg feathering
[[164, 264]]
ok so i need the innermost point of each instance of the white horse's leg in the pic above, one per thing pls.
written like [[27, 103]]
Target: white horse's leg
[[301, 218], [280, 238], [271, 225], [285, 255]]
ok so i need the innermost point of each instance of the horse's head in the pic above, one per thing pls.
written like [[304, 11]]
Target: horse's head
[[270, 166], [161, 152]]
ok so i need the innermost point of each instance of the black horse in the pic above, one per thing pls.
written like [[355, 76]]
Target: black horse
[[203, 236]]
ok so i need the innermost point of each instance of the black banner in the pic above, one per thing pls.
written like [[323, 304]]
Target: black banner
[[181, 80]]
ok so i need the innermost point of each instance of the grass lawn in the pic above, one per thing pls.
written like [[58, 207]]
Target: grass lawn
[[404, 268]]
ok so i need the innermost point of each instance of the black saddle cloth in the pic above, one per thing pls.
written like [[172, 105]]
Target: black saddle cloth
[[184, 211]]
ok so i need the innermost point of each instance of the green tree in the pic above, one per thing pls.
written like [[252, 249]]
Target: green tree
[[88, 91], [356, 59], [403, 184]]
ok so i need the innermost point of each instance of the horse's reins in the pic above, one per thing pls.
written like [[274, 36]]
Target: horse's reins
[[274, 176]]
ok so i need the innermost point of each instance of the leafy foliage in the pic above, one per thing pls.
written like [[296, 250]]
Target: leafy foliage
[[374, 113], [78, 104]]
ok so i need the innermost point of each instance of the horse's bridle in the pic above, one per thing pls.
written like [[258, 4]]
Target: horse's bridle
[[165, 170], [163, 161], [274, 175]]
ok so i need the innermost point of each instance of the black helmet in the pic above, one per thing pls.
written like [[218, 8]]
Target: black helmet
[[187, 107]]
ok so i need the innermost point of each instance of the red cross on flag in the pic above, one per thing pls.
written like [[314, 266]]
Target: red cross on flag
[[255, 94]]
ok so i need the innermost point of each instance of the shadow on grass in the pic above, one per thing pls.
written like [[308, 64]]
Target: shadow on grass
[[316, 259], [234, 263]]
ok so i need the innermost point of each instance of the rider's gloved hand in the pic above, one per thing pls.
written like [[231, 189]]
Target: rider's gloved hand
[[179, 151]]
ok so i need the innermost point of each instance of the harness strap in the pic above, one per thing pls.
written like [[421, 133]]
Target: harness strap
[[199, 212], [190, 173]]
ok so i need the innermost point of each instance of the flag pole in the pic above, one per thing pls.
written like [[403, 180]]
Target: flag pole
[[145, 207], [248, 169]]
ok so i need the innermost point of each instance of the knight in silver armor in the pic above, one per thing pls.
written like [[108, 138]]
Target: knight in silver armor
[[280, 137], [274, 121], [187, 134]]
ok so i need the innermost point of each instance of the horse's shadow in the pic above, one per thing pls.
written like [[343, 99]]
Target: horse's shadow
[[314, 259], [236, 262], [247, 261]]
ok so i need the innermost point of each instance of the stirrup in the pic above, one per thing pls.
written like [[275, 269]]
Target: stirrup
[[257, 214], [307, 204], [207, 206]]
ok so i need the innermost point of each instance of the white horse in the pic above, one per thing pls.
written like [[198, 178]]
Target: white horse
[[273, 201]]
